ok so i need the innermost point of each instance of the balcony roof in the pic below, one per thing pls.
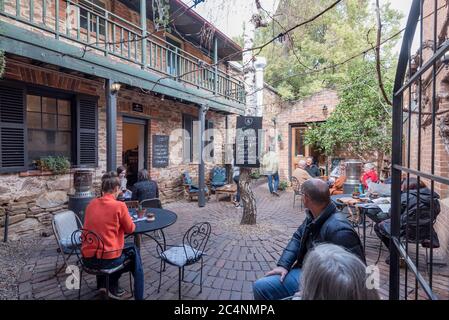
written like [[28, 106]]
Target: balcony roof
[[190, 23]]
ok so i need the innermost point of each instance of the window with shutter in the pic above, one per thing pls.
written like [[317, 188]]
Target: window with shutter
[[87, 131], [12, 129]]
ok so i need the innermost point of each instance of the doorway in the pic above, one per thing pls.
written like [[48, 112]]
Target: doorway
[[300, 151], [134, 152]]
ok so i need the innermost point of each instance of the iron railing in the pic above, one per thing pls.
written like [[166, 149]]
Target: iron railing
[[99, 30], [414, 151]]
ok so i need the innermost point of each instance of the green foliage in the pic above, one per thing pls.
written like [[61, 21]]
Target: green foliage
[[362, 121], [255, 174], [283, 185], [345, 31], [57, 165], [161, 14]]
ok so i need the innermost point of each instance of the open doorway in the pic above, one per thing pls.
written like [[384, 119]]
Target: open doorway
[[299, 150], [134, 147]]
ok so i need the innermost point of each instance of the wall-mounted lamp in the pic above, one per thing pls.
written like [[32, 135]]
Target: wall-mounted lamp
[[162, 97], [115, 87], [445, 59]]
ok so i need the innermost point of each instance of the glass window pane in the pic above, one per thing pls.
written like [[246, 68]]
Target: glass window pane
[[64, 107], [33, 103], [48, 105], [64, 122], [34, 120], [49, 121]]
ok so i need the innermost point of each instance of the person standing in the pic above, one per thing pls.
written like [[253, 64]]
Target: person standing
[[270, 163]]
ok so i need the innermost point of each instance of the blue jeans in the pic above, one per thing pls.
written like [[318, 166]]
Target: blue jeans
[[276, 182], [271, 287], [135, 266]]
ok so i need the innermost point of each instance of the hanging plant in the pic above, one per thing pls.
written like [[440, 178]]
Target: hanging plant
[[161, 14]]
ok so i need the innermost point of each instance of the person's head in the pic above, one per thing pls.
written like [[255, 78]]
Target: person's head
[[332, 273], [301, 164], [110, 184], [309, 161], [316, 195], [143, 175], [412, 184], [121, 171], [368, 167]]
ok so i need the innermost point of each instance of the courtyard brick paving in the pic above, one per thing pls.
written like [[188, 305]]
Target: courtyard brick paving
[[236, 255]]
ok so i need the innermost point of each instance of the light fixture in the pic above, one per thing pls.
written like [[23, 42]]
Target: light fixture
[[115, 87], [162, 97], [445, 59]]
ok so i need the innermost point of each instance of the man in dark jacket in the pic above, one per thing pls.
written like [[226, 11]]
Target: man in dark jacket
[[323, 224], [144, 188], [312, 168]]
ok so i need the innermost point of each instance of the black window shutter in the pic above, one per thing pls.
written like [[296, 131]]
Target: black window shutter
[[87, 131], [187, 125], [210, 136], [13, 135]]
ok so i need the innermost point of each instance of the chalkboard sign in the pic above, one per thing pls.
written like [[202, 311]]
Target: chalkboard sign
[[137, 107], [160, 151], [247, 142]]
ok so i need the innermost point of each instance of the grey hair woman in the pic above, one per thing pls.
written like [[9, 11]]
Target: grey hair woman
[[332, 273]]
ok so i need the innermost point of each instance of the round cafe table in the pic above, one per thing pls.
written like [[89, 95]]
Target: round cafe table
[[163, 219]]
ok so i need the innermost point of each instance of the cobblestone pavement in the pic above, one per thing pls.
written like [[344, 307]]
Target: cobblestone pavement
[[236, 255]]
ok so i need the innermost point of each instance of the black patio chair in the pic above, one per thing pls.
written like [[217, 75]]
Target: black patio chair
[[297, 191], [191, 251], [151, 203], [93, 267]]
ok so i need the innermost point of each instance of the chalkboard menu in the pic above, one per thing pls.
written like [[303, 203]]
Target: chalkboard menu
[[137, 107], [160, 151], [247, 142]]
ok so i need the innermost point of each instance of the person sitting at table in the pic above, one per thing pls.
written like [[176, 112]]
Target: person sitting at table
[[369, 175], [338, 184], [110, 221], [300, 172], [312, 168], [125, 193], [144, 188], [409, 210]]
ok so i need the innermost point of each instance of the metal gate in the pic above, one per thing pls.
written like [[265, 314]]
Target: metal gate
[[415, 120]]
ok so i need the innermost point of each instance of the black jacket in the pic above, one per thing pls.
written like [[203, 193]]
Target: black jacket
[[330, 227], [143, 190], [313, 170], [424, 214]]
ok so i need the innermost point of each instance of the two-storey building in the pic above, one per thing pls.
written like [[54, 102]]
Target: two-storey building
[[98, 82]]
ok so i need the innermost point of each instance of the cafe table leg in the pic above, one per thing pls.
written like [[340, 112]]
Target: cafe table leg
[[137, 240]]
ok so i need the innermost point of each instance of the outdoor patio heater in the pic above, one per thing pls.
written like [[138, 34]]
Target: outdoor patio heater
[[82, 192], [353, 174]]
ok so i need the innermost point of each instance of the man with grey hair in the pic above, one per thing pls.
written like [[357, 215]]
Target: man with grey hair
[[312, 168], [300, 172], [323, 224]]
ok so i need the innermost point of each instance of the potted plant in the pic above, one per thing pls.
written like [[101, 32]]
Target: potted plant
[[283, 185], [56, 165]]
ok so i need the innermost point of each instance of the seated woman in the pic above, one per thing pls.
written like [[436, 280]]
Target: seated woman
[[332, 273], [339, 179], [409, 210], [125, 193], [369, 175], [144, 188], [110, 221]]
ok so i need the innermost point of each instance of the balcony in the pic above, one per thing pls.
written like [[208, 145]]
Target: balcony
[[95, 30]]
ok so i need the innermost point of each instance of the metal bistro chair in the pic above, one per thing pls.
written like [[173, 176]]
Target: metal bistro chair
[[191, 251], [297, 191], [64, 224], [93, 267]]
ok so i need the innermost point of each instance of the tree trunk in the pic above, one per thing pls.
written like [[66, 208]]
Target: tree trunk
[[247, 196]]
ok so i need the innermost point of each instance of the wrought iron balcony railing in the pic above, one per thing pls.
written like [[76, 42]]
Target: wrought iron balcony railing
[[98, 30]]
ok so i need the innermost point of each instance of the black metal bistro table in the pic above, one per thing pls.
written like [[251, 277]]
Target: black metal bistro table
[[163, 219]]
